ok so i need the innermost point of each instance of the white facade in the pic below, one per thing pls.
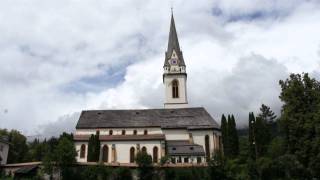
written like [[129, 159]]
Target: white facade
[[4, 149], [175, 73], [122, 148]]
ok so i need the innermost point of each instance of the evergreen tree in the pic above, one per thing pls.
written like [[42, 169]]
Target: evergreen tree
[[266, 114], [233, 139], [94, 148], [252, 151], [224, 131]]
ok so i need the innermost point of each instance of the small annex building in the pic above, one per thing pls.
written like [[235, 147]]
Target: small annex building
[[184, 134], [4, 150]]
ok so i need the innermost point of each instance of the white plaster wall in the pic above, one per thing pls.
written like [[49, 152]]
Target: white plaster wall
[[118, 131], [199, 138], [4, 149], [176, 134], [123, 149], [78, 146], [182, 100]]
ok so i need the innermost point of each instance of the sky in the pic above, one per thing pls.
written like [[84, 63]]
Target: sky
[[60, 57]]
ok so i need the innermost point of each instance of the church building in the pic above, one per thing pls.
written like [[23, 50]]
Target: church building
[[182, 133]]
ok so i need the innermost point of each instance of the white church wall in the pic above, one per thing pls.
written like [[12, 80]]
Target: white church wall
[[118, 131], [123, 149], [199, 138], [176, 134], [78, 147], [4, 149]]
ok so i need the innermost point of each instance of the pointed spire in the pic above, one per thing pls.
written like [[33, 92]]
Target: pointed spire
[[173, 43]]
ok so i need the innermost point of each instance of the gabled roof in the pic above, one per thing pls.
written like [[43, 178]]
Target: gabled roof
[[186, 118], [173, 44]]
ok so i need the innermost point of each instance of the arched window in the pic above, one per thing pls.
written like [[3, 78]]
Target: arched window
[[123, 132], [175, 89], [132, 155], [207, 146], [144, 149], [110, 132], [134, 132], [155, 154], [82, 151], [145, 132], [105, 153]]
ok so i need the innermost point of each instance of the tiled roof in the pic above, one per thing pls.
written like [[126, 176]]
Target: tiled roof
[[188, 118], [122, 137], [180, 148]]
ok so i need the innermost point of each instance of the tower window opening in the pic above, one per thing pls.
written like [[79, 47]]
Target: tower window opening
[[175, 89]]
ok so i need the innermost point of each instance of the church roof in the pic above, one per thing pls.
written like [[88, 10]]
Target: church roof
[[173, 44], [186, 118], [180, 148]]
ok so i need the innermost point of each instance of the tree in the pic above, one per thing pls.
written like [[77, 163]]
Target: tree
[[94, 148], [64, 156], [144, 162], [224, 134], [233, 137], [18, 147], [300, 117], [266, 114]]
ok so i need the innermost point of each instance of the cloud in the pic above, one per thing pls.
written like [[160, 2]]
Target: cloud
[[58, 58]]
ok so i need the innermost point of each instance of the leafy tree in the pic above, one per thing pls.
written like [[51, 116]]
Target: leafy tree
[[64, 156], [216, 169], [18, 147], [300, 118], [144, 162], [122, 173]]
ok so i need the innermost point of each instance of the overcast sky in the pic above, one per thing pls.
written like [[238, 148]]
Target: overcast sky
[[59, 57]]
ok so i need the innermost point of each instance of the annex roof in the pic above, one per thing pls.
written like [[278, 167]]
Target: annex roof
[[182, 118]]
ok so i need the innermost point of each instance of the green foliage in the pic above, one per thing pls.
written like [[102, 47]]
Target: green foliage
[[230, 139], [94, 148], [300, 118], [144, 162], [164, 160], [98, 172], [18, 146], [122, 173]]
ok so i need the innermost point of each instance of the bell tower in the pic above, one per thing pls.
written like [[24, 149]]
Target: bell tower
[[174, 75]]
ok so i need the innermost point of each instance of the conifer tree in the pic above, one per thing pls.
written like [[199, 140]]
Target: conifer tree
[[252, 121], [234, 138], [224, 131]]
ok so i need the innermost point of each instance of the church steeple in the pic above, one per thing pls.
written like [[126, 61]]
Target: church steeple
[[174, 76], [173, 45]]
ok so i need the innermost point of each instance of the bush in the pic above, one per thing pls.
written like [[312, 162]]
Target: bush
[[145, 168], [122, 173]]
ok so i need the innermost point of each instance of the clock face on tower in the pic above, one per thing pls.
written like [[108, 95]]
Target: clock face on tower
[[174, 61]]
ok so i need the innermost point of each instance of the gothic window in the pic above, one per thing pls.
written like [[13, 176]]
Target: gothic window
[[132, 155], [82, 151], [155, 154], [134, 132], [175, 89], [145, 132], [207, 147], [144, 149], [105, 153], [185, 160], [123, 132], [110, 132]]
